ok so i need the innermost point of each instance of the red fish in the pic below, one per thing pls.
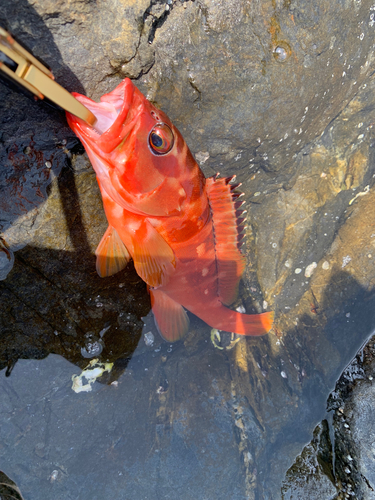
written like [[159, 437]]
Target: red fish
[[181, 230]]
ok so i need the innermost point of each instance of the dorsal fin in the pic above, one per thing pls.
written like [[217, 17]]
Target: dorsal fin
[[225, 215]]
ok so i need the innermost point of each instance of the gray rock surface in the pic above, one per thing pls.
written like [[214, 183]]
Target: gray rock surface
[[311, 477], [363, 434], [341, 454], [353, 426], [239, 95], [280, 93]]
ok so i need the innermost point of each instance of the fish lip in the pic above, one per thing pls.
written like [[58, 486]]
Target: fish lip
[[120, 100]]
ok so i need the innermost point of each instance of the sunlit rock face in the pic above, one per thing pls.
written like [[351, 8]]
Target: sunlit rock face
[[278, 92]]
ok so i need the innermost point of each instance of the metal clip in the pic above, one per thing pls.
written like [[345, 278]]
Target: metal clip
[[21, 66]]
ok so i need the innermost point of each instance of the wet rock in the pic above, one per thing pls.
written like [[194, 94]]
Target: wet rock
[[8, 488], [334, 174], [311, 477], [352, 405], [196, 50], [363, 434], [346, 462]]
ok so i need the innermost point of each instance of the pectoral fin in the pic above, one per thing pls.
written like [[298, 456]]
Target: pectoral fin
[[170, 317], [154, 259], [111, 254]]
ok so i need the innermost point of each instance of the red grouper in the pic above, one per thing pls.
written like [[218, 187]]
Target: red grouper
[[181, 230]]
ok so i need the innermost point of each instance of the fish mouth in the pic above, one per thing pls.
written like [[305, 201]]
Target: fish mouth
[[112, 113]]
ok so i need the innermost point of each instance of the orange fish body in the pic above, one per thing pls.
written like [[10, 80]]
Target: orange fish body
[[181, 230]]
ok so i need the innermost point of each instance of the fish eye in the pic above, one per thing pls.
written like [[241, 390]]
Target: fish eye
[[161, 139]]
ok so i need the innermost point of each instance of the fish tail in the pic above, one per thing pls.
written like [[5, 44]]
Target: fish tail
[[227, 320]]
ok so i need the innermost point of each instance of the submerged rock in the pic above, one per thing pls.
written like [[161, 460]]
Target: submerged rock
[[341, 454], [311, 477]]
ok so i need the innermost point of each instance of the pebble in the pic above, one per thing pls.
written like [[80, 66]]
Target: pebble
[[149, 339], [310, 269]]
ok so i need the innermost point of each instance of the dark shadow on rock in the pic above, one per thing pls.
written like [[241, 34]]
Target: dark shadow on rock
[[34, 137], [72, 210], [54, 302]]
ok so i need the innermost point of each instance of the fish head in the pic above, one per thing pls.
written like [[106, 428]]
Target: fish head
[[140, 157]]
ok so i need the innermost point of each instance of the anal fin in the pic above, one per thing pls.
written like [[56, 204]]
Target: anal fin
[[111, 255], [225, 216], [170, 317]]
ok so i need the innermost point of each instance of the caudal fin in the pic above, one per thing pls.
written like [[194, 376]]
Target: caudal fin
[[225, 319]]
